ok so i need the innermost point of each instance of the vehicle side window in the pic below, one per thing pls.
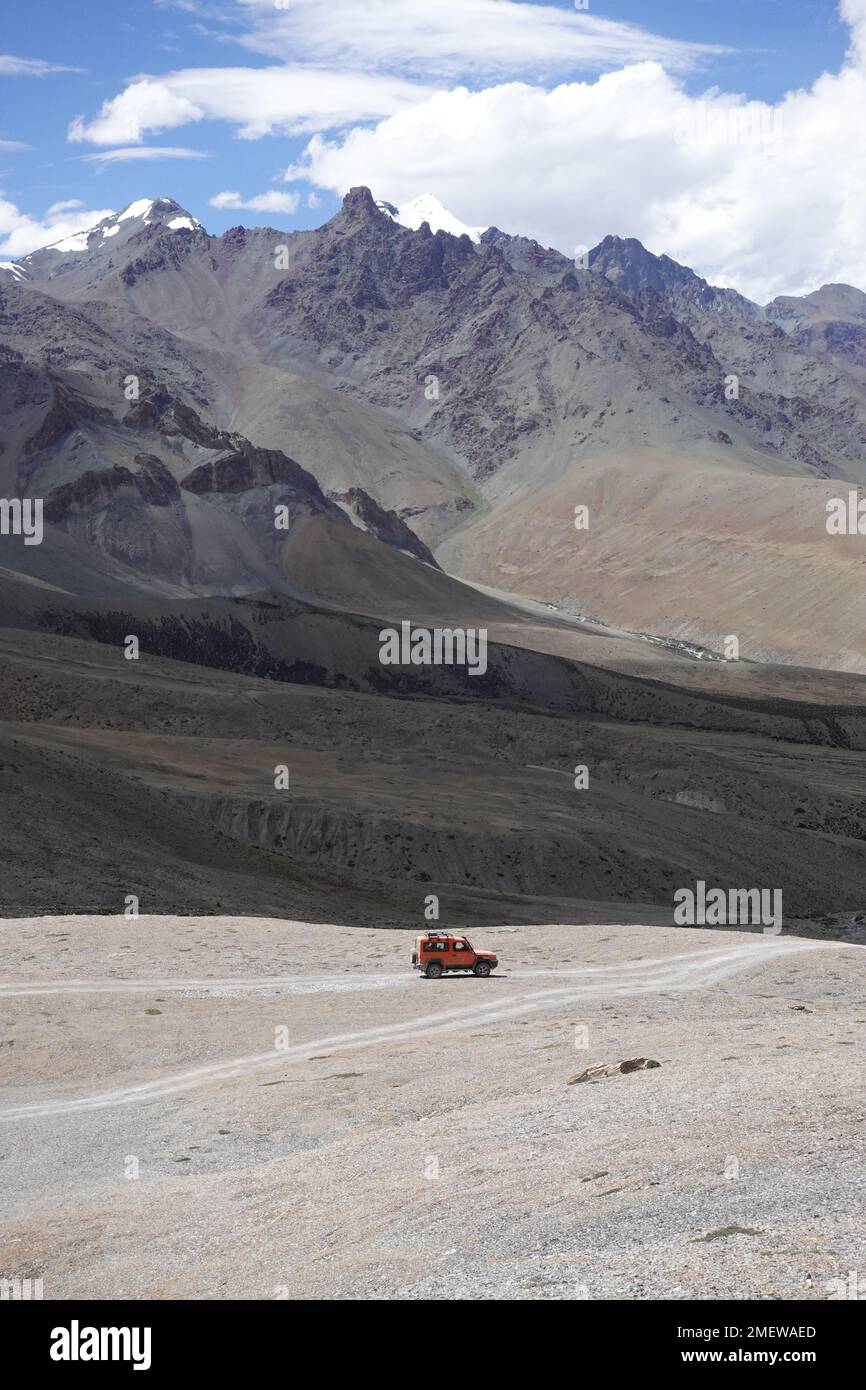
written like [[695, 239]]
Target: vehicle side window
[[460, 946], [437, 945]]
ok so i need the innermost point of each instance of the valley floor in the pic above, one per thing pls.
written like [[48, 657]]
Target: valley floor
[[229, 1107]]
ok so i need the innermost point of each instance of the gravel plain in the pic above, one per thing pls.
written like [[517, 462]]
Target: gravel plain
[[230, 1107]]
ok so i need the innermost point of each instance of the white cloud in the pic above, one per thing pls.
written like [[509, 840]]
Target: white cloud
[[11, 66], [262, 202], [456, 38], [13, 146], [349, 61], [853, 13], [144, 105], [259, 101], [141, 152], [21, 234], [770, 199]]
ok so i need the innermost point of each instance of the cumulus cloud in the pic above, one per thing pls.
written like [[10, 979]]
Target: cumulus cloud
[[768, 198], [144, 105], [141, 152], [262, 202], [20, 234], [854, 14]]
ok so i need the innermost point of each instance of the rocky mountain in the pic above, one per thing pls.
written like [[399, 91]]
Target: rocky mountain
[[254, 450], [448, 394], [628, 264], [831, 320], [99, 246]]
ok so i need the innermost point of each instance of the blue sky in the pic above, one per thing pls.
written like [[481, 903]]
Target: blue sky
[[358, 89]]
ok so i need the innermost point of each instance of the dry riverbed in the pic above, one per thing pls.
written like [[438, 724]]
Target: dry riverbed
[[226, 1107]]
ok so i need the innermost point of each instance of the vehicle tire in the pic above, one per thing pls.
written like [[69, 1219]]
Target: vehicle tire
[[482, 968], [434, 970]]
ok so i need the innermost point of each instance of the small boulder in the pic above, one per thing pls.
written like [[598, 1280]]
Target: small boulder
[[599, 1073]]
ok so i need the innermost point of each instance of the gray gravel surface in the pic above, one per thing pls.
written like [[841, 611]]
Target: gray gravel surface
[[299, 1128]]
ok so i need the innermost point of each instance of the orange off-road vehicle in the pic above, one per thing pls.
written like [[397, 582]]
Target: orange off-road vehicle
[[438, 951]]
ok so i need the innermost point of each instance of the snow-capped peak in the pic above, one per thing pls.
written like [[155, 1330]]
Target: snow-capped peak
[[140, 208], [78, 249], [427, 208], [143, 211], [147, 210]]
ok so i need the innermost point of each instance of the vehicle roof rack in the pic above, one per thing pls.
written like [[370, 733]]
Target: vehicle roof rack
[[439, 933]]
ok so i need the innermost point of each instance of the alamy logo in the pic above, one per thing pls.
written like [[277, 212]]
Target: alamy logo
[[846, 516], [719, 123], [22, 516], [76, 1343], [438, 646], [717, 907], [852, 1287], [20, 1290]]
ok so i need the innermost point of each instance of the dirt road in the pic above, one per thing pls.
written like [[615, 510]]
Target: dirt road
[[695, 970], [233, 1107]]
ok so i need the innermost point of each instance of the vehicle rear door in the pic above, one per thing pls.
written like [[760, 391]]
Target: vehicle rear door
[[437, 949], [463, 954]]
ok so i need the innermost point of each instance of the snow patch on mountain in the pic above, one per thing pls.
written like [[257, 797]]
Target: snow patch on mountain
[[140, 208], [78, 242], [427, 208]]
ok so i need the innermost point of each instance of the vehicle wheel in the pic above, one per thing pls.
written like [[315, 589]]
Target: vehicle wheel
[[434, 970], [482, 967]]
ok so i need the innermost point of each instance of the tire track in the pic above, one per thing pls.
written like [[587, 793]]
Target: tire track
[[694, 970], [290, 984]]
